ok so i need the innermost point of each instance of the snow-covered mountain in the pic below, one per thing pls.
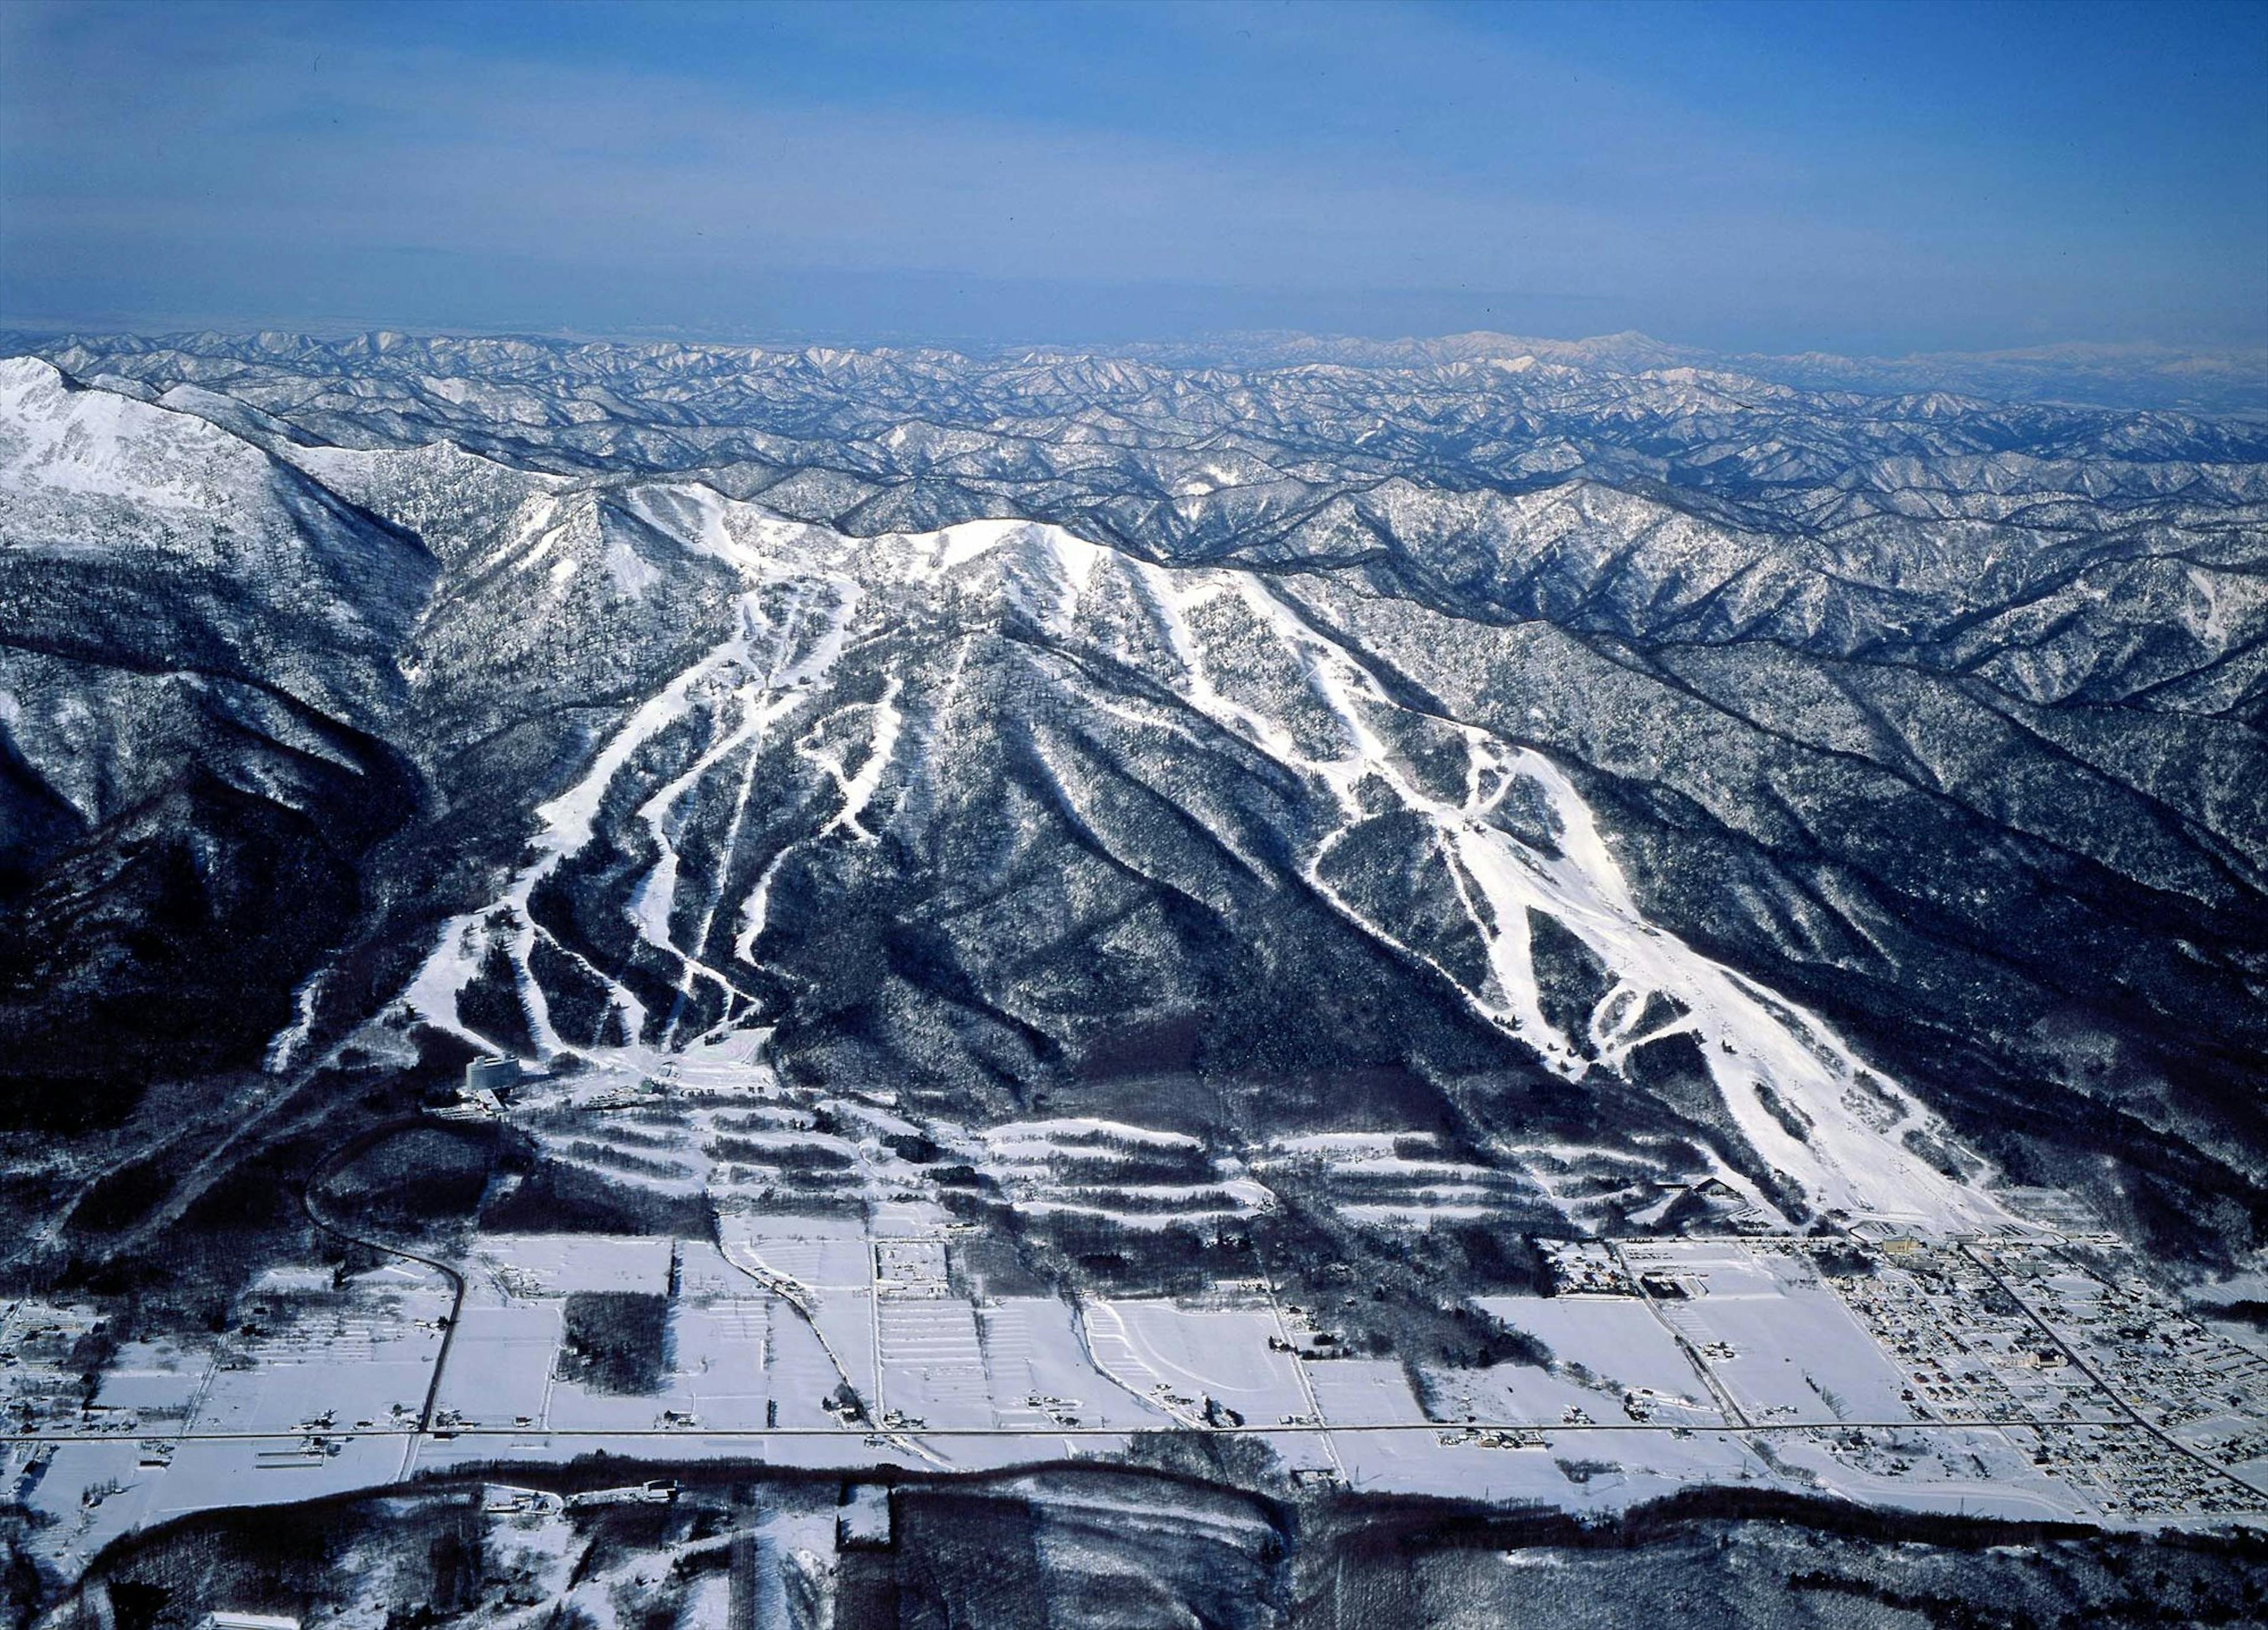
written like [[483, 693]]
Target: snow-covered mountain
[[199, 655], [1853, 796]]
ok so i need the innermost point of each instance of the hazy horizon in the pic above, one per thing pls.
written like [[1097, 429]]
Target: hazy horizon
[[1227, 344]]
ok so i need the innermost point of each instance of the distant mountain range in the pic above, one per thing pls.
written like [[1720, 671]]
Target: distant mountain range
[[2137, 376]]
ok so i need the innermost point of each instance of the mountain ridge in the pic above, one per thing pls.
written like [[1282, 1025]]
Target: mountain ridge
[[1896, 766]]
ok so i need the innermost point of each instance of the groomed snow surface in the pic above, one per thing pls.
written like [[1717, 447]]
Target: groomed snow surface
[[1837, 1131]]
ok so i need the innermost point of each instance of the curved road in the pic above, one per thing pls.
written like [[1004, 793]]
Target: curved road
[[362, 1142]]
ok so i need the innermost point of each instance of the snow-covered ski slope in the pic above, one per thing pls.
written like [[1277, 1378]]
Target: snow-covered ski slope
[[689, 794]]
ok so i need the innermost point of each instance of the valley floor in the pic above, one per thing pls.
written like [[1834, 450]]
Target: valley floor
[[2015, 1375]]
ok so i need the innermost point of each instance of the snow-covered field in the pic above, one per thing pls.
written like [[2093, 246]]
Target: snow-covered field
[[1741, 1363], [1617, 1338], [1772, 1334]]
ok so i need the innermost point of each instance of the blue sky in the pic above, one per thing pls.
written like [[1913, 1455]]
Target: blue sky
[[1858, 178]]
